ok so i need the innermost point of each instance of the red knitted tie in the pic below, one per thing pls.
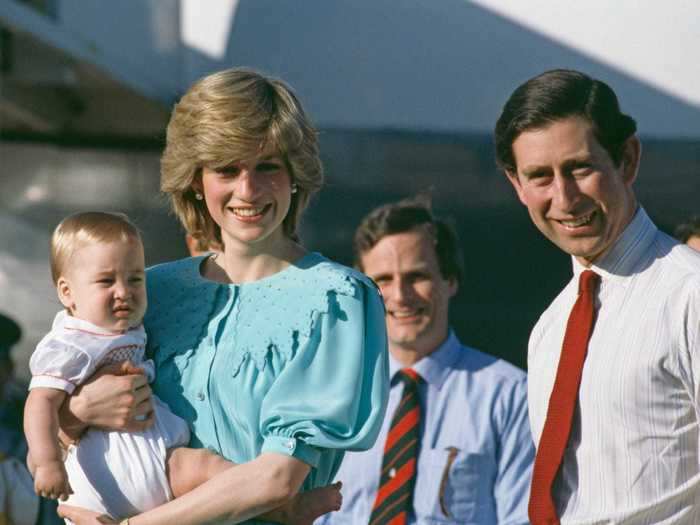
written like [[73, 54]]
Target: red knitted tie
[[395, 495], [562, 402]]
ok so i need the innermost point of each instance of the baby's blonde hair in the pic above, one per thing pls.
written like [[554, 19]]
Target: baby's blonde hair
[[84, 228]]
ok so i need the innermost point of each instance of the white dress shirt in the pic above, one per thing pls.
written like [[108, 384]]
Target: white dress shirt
[[632, 456]]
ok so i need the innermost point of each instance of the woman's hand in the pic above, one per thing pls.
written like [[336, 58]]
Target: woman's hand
[[81, 516], [116, 397]]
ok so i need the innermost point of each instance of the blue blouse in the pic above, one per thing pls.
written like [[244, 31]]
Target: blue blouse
[[295, 363]]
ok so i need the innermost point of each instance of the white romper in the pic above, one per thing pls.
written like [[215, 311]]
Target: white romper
[[117, 473]]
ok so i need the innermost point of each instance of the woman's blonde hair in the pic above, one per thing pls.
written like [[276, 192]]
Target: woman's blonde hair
[[84, 228], [228, 116]]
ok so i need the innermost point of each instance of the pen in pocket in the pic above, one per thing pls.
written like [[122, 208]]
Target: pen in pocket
[[451, 455]]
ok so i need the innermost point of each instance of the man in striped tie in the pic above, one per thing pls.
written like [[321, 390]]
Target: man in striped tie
[[455, 446], [614, 362]]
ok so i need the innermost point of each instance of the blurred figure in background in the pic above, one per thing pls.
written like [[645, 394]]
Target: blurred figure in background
[[19, 505], [12, 394], [197, 246], [689, 232], [455, 446]]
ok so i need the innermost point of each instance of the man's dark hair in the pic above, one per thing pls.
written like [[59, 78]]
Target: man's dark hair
[[556, 95], [688, 229], [404, 216]]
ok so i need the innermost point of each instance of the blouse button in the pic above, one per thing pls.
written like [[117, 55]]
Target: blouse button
[[200, 396]]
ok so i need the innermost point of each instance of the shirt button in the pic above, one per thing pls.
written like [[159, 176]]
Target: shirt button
[[290, 444], [392, 473], [200, 396]]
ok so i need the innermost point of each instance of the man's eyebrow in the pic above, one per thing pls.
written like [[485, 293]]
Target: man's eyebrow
[[578, 161], [529, 171]]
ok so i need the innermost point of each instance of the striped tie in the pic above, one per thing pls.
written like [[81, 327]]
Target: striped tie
[[395, 495]]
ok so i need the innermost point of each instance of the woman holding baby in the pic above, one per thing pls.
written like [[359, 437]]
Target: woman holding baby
[[275, 356]]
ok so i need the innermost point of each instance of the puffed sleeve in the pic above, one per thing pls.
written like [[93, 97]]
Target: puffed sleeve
[[56, 364], [332, 394]]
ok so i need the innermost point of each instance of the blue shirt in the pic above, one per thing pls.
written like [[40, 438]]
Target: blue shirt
[[474, 408], [295, 363]]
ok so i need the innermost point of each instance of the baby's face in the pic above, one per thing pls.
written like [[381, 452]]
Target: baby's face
[[106, 284]]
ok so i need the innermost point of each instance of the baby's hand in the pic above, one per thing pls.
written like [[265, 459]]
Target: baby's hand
[[51, 481]]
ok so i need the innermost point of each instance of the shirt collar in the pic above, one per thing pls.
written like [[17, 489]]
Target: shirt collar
[[622, 260], [65, 321], [434, 367]]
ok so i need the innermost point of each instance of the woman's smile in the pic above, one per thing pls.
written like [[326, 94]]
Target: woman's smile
[[249, 199], [250, 213]]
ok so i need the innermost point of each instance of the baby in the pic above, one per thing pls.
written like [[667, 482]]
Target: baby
[[97, 265]]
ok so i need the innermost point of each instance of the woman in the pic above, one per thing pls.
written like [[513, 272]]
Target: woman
[[274, 355]]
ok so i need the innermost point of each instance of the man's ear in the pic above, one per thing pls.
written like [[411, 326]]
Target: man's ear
[[453, 287], [515, 182], [630, 159], [64, 293]]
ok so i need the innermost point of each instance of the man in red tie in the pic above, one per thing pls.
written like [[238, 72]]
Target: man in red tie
[[455, 446], [614, 362]]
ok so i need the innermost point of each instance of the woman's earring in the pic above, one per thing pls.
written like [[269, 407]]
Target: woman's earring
[[294, 188], [198, 196]]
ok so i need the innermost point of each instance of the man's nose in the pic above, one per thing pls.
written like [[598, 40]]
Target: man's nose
[[566, 192], [400, 290]]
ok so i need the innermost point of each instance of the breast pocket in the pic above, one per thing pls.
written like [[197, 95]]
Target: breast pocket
[[454, 486]]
